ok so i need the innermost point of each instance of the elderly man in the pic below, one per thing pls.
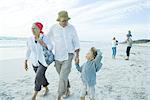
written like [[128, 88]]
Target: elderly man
[[66, 43]]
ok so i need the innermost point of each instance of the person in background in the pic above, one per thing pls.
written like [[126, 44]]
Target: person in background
[[129, 44], [66, 43], [114, 47], [88, 72], [35, 53]]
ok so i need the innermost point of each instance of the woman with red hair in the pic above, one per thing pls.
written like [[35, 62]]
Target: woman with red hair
[[35, 46]]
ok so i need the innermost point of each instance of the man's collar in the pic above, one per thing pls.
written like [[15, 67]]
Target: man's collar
[[63, 27]]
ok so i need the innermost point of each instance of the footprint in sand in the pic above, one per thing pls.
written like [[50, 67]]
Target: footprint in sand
[[5, 96], [139, 95], [132, 65]]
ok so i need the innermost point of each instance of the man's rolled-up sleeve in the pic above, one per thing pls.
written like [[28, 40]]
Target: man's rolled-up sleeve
[[76, 41]]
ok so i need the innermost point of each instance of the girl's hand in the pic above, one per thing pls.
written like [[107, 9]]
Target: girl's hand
[[26, 65]]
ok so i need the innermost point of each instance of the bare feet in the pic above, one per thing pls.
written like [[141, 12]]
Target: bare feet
[[34, 95], [67, 94], [46, 91], [82, 98], [34, 98], [58, 98]]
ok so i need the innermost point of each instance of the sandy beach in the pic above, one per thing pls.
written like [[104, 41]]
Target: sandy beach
[[93, 23], [117, 80]]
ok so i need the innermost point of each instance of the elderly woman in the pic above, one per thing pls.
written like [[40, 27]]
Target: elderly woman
[[35, 53]]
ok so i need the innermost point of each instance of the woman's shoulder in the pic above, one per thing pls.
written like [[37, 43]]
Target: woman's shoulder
[[29, 40]]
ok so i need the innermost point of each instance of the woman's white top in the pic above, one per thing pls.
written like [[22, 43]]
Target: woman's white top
[[114, 43], [35, 50]]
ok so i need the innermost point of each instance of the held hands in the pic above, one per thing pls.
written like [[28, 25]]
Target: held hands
[[77, 56], [77, 60]]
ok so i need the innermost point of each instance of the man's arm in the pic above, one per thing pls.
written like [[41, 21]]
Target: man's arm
[[76, 41], [76, 44], [77, 52]]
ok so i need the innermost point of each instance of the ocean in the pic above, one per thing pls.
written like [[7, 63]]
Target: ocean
[[11, 47]]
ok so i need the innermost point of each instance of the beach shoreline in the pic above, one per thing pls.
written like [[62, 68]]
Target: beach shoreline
[[117, 80]]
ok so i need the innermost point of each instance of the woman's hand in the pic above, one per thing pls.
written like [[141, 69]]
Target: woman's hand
[[26, 65]]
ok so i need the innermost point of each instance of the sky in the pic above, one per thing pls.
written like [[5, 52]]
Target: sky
[[95, 20]]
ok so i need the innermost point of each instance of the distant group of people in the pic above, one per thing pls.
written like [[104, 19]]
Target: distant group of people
[[63, 39], [129, 45]]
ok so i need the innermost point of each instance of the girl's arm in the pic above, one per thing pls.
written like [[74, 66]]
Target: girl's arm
[[78, 67], [98, 67], [98, 60]]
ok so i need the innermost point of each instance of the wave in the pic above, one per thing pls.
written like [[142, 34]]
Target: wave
[[12, 38], [10, 42], [6, 42]]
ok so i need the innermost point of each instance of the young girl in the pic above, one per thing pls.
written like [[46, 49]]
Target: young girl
[[35, 53], [114, 47], [88, 72]]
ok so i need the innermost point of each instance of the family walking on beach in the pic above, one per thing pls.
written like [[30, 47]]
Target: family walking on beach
[[63, 39]]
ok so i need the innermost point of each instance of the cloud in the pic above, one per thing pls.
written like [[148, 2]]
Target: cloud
[[100, 18], [109, 11]]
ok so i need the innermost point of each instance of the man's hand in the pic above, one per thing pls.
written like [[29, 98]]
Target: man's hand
[[26, 65], [77, 56], [76, 60], [42, 43]]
